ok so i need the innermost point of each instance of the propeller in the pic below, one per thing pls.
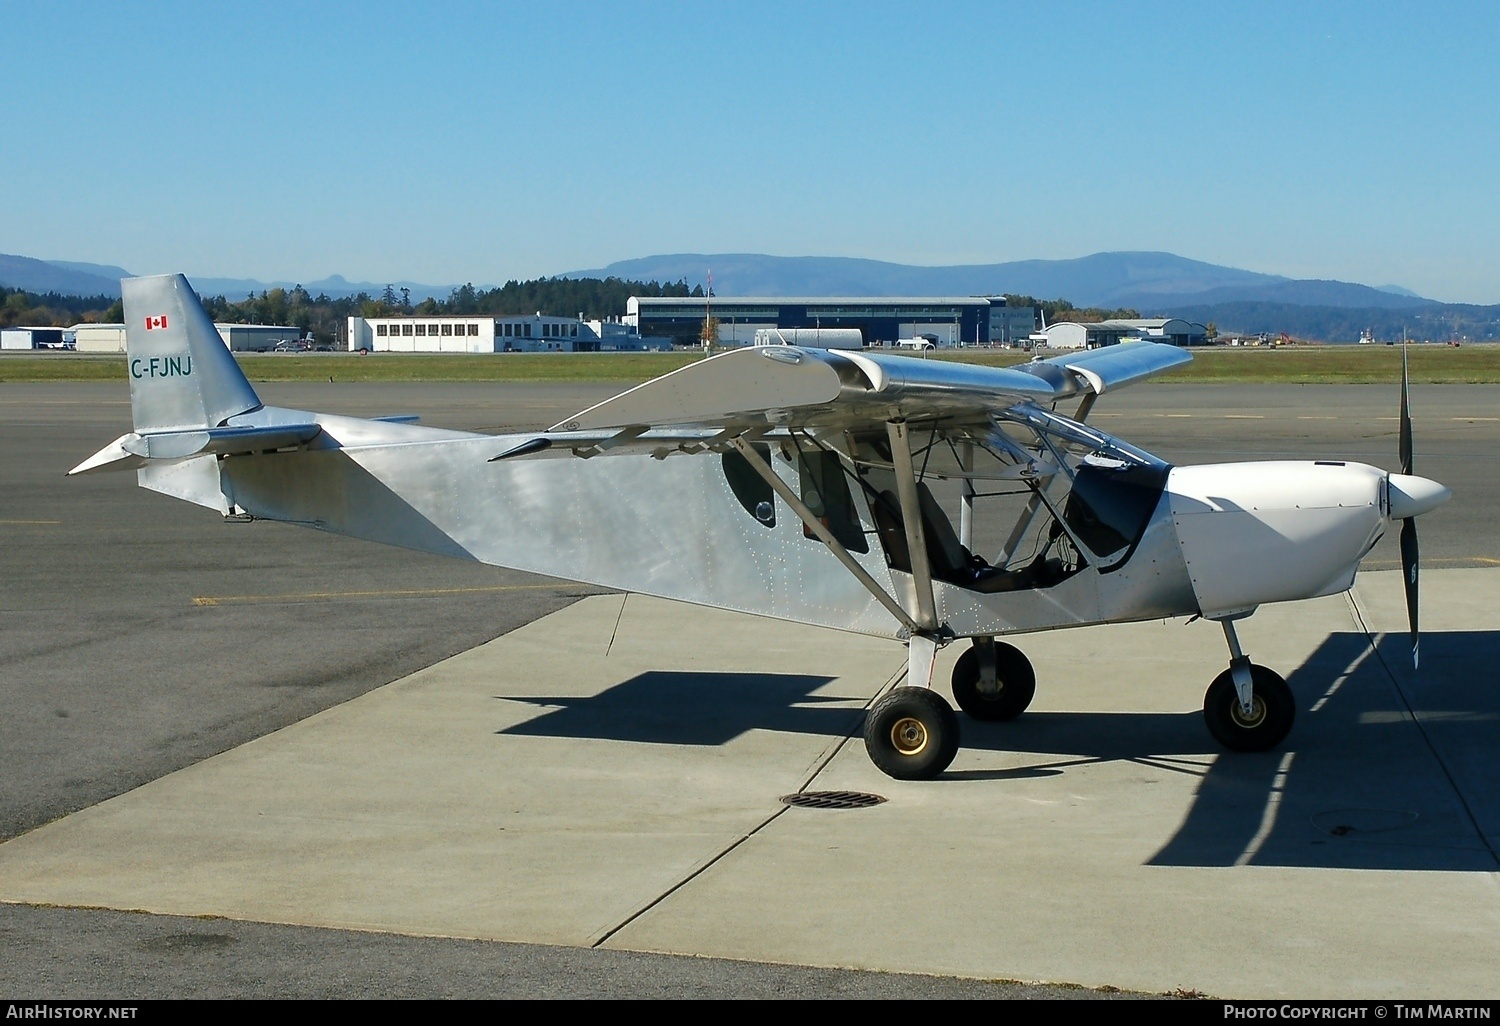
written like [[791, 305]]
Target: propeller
[[1409, 548]]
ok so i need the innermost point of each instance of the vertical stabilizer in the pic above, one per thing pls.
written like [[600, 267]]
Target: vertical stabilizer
[[181, 372]]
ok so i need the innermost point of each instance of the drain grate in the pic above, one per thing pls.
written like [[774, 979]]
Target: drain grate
[[831, 799]]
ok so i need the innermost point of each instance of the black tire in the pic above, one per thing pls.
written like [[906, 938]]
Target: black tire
[[1013, 673], [911, 734], [1275, 710]]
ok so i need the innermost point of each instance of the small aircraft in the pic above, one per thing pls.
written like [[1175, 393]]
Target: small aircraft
[[809, 484]]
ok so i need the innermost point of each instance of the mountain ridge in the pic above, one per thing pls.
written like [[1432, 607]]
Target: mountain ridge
[[1149, 281], [1139, 279]]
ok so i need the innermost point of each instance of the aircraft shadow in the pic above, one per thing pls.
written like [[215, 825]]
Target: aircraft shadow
[[1383, 770], [675, 708], [1360, 784]]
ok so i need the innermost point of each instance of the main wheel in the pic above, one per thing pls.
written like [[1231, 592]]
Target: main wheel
[[911, 734], [1013, 674], [1270, 719]]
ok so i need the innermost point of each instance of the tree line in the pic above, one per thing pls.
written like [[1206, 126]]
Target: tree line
[[325, 316], [54, 310], [1055, 310]]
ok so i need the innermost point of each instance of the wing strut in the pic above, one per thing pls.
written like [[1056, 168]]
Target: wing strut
[[817, 527], [966, 510], [911, 513]]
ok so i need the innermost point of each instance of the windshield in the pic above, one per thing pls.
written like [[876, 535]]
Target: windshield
[[1111, 503]]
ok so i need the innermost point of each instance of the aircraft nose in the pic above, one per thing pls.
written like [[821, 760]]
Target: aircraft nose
[[1412, 496]]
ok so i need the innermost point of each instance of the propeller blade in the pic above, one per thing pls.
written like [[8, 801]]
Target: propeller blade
[[1409, 570], [1410, 563], [1405, 442]]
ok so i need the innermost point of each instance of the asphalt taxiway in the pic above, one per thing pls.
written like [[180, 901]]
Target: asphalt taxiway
[[184, 734]]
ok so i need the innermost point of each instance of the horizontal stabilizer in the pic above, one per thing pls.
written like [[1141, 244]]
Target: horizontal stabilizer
[[135, 449]]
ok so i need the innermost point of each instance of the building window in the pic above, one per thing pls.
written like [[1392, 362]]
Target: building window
[[474, 329], [447, 329], [380, 329], [528, 331], [574, 332], [507, 331], [422, 330], [406, 329]]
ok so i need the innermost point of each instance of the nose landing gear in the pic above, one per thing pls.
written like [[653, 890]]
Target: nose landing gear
[[1248, 708]]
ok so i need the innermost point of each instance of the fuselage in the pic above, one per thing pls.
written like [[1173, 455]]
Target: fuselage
[[1220, 538]]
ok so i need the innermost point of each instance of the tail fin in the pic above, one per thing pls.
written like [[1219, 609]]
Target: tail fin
[[181, 373]]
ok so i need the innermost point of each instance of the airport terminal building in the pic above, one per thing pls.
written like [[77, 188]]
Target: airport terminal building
[[950, 320]]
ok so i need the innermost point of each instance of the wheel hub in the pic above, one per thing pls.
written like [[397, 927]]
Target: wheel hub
[[909, 736], [1256, 717]]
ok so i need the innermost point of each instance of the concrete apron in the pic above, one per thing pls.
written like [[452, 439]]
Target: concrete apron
[[611, 774]]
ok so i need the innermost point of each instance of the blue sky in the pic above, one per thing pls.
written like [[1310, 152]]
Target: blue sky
[[485, 141]]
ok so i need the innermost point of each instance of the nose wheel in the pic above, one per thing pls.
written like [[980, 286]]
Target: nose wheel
[[1268, 720], [1248, 708]]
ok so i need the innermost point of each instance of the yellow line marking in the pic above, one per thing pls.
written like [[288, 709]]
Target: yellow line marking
[[1391, 564], [1317, 418], [1244, 416], [215, 600], [1176, 416], [1471, 419], [30, 521]]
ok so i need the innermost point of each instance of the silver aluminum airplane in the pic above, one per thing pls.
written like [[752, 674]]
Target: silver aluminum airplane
[[798, 483]]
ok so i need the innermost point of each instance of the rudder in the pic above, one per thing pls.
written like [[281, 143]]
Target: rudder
[[182, 375]]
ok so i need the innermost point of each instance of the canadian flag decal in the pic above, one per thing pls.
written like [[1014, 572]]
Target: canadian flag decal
[[156, 322]]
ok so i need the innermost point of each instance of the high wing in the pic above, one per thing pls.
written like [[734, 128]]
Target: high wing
[[771, 389], [797, 387]]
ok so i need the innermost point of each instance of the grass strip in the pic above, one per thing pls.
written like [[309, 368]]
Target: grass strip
[[1430, 364]]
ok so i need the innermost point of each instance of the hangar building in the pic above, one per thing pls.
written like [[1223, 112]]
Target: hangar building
[[34, 338], [1074, 335], [241, 338], [953, 320]]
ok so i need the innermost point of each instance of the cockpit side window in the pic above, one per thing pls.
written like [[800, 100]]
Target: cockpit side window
[[752, 490], [825, 491]]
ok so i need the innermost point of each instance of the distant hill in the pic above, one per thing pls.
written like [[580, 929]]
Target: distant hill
[[335, 287], [1135, 279], [73, 278], [1438, 322], [41, 276], [1153, 283], [1288, 292]]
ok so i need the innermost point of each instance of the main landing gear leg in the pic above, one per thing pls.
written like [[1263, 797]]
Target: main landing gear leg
[[1248, 708], [921, 653], [911, 733]]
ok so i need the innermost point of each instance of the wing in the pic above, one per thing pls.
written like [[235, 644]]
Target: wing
[[788, 386], [771, 389]]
